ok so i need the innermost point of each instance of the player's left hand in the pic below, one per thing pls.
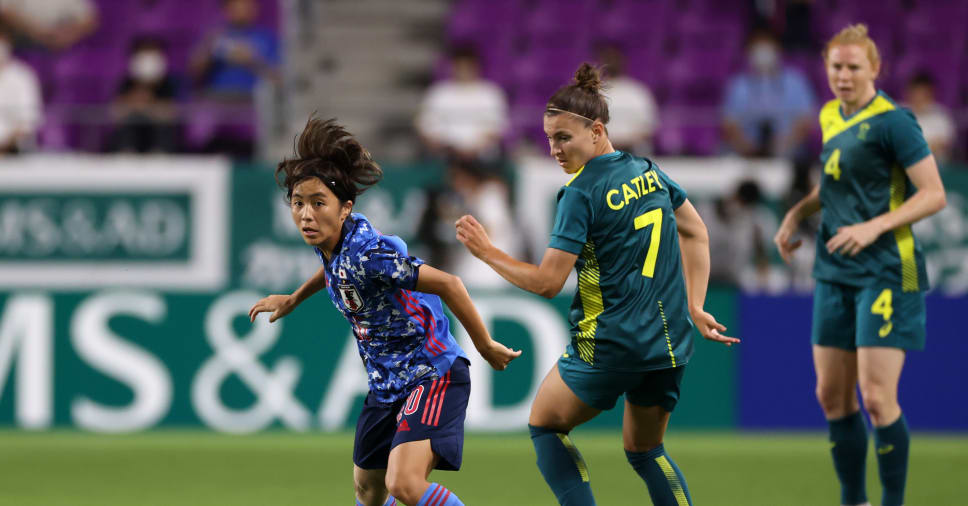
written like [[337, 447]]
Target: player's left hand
[[710, 328], [472, 235], [854, 238], [498, 355]]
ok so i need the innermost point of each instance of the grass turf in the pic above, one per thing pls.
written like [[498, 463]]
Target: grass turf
[[201, 468]]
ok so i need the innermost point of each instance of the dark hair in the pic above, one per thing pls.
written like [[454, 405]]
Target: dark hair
[[142, 42], [582, 97], [325, 150], [922, 78], [464, 51]]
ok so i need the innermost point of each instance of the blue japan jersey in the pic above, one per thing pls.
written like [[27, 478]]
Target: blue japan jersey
[[403, 335]]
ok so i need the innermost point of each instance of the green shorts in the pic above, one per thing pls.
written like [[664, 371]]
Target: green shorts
[[600, 388], [849, 317]]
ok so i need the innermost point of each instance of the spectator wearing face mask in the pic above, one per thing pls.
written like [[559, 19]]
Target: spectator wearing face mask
[[20, 101], [144, 108], [769, 110]]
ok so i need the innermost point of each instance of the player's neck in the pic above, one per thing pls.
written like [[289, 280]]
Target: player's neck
[[852, 107], [604, 148]]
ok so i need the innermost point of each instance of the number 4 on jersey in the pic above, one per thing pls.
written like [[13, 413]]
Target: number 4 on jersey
[[654, 218], [832, 166]]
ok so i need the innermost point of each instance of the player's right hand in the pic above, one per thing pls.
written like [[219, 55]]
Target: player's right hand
[[498, 355], [710, 329], [278, 305], [782, 240]]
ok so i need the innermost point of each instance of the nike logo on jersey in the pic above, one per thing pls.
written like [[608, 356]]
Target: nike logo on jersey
[[884, 450]]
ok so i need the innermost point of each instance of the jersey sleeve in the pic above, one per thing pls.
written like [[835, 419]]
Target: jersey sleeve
[[676, 193], [903, 138], [386, 262], [572, 219]]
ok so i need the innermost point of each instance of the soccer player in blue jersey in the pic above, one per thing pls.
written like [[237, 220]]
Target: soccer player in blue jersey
[[642, 255], [413, 417], [868, 306]]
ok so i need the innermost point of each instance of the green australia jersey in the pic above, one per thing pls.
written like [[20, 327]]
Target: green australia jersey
[[864, 158], [630, 312]]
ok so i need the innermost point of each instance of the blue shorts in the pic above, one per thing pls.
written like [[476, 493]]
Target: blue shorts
[[434, 410], [849, 317], [600, 388]]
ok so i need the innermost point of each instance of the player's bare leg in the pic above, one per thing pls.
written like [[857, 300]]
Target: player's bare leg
[[370, 486], [409, 467], [836, 370], [557, 407], [643, 429], [556, 410], [880, 371]]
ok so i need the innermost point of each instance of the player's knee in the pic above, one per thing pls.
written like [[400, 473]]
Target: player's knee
[[877, 402], [369, 491], [641, 445], [833, 400], [406, 487]]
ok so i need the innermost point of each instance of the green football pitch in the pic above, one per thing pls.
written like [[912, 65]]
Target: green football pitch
[[195, 468]]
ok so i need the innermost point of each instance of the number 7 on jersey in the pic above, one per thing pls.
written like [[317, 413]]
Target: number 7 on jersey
[[654, 218]]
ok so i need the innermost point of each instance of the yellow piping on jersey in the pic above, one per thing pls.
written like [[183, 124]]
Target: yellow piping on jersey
[[665, 328], [903, 235], [575, 176], [591, 302], [833, 124], [673, 479]]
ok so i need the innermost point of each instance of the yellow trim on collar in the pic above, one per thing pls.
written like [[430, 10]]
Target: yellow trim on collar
[[833, 124]]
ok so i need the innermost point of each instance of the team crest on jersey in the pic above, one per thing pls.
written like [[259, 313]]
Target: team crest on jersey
[[351, 297], [862, 131]]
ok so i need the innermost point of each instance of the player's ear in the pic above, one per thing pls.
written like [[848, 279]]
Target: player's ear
[[345, 210], [598, 130]]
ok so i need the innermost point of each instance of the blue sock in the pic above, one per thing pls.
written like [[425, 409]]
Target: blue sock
[[438, 495], [562, 467], [848, 446], [662, 476], [390, 502], [892, 443]]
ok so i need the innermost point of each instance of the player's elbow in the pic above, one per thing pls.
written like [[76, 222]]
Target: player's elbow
[[548, 289], [940, 201]]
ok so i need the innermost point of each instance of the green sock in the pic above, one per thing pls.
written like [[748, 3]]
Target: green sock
[[848, 446], [893, 443], [562, 467], [667, 486]]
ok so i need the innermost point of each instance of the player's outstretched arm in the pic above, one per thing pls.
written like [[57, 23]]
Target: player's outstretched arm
[[545, 280], [451, 289], [806, 207], [281, 305], [694, 243], [927, 200]]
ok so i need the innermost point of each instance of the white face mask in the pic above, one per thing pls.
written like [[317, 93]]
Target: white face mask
[[764, 57], [5, 51], [148, 66]]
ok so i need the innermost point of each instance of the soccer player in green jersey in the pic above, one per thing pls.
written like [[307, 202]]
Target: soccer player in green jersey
[[879, 177], [642, 255]]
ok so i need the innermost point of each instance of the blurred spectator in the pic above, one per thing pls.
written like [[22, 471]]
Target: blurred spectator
[[935, 120], [145, 108], [20, 100], [631, 107], [229, 66], [464, 115], [741, 230], [54, 24], [770, 109], [472, 190], [235, 56]]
